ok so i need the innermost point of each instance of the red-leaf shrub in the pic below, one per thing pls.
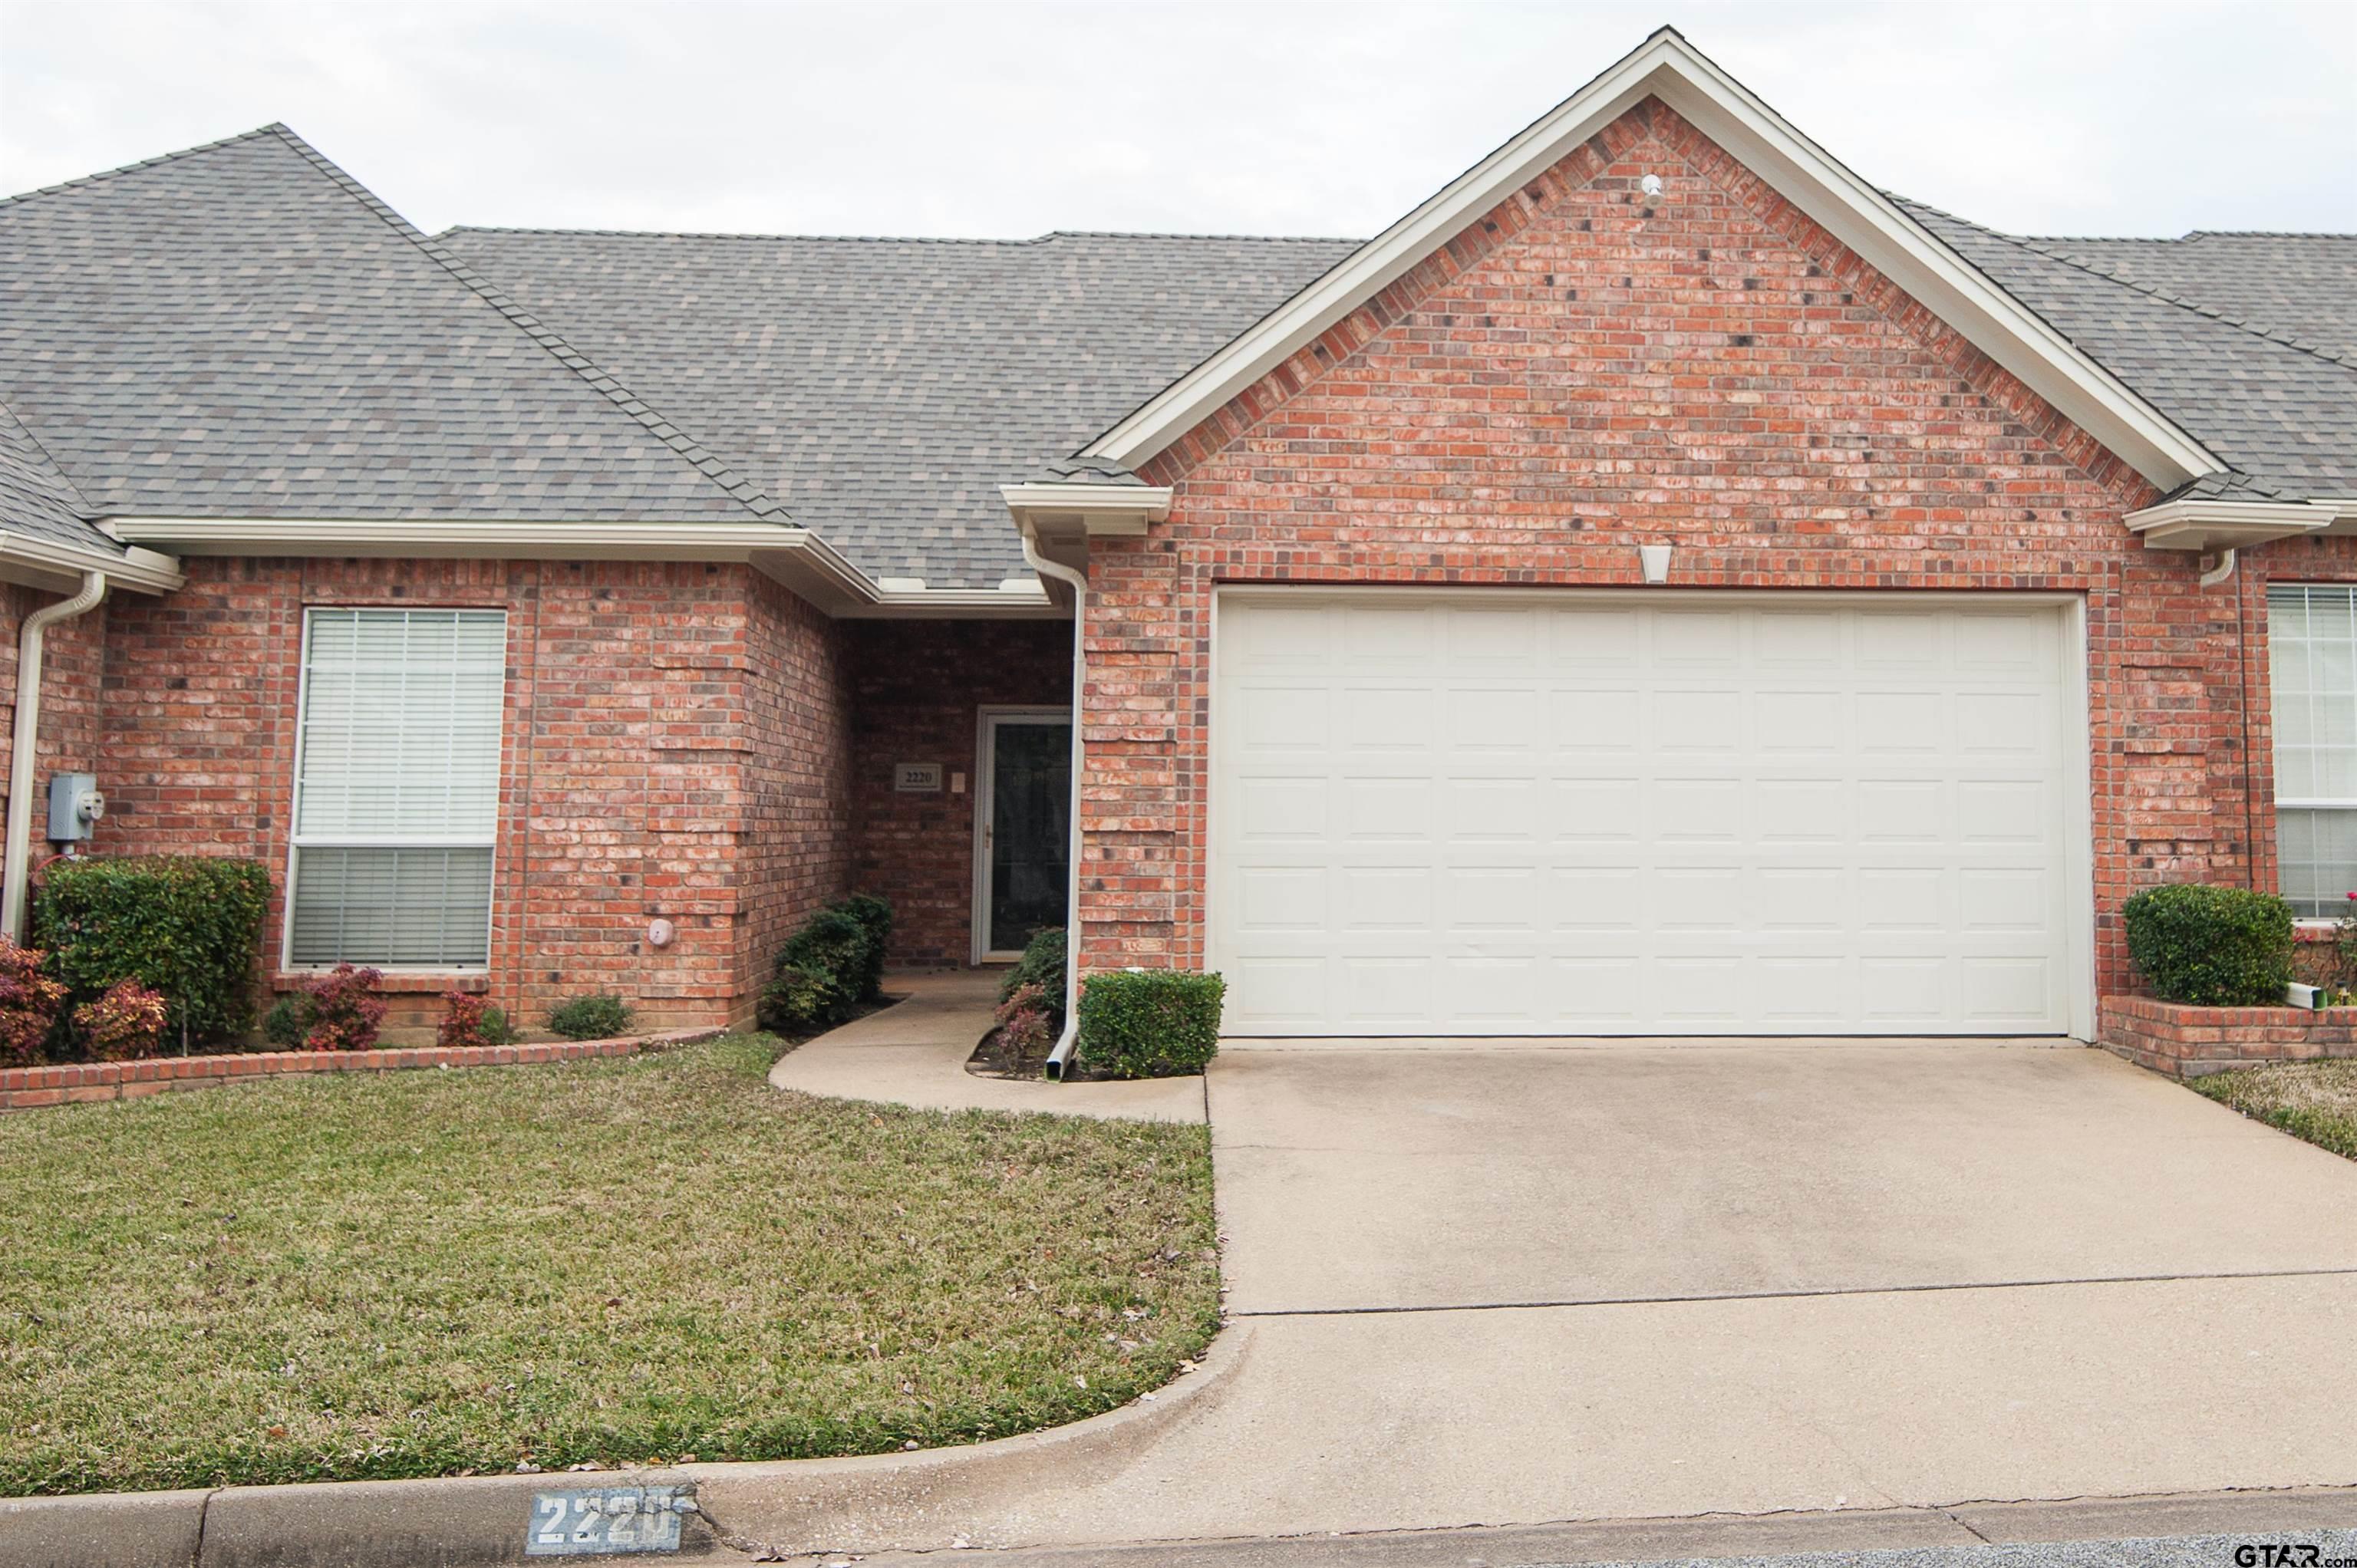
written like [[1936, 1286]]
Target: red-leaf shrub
[[469, 1020], [345, 1012], [125, 1025], [1024, 1026], [30, 1000]]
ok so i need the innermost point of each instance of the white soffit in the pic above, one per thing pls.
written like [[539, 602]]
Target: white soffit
[[1667, 67]]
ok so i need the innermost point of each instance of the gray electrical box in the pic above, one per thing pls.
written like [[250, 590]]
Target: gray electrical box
[[75, 806]]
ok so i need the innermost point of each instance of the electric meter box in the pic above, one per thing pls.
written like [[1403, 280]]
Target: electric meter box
[[75, 807]]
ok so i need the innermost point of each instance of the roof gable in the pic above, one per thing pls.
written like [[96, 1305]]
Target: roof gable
[[242, 330], [1666, 67]]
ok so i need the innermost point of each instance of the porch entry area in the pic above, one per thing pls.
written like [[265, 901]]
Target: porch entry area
[[1022, 827]]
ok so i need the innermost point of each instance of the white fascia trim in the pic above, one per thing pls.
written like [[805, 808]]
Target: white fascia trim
[[2207, 525], [1098, 509], [796, 556], [1666, 66], [145, 570], [449, 537]]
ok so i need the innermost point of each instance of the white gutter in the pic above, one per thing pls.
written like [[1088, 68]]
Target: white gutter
[[1060, 1056], [19, 858], [794, 557], [54, 564]]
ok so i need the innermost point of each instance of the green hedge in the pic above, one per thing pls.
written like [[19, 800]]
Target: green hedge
[[875, 917], [189, 927], [599, 1015], [1042, 964], [1149, 1023], [2214, 947], [828, 967]]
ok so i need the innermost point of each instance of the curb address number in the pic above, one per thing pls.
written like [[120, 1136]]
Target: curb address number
[[607, 1519]]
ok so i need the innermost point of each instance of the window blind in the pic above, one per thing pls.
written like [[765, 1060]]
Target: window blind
[[396, 793], [2312, 652]]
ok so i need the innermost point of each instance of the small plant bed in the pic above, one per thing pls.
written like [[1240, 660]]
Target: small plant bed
[[646, 1257], [2314, 1100]]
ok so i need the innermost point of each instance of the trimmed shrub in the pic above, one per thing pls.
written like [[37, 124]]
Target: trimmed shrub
[[1023, 1026], [30, 1000], [2213, 947], [1041, 965], [600, 1016], [346, 1012], [288, 1020], [470, 1020], [125, 1025], [875, 917], [1149, 1023], [186, 927], [828, 967], [801, 1000]]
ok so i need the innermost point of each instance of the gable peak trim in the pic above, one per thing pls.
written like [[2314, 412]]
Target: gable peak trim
[[1667, 67]]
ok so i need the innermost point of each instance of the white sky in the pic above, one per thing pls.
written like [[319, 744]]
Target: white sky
[[986, 119]]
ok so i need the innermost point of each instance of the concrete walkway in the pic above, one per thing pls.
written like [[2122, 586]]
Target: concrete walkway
[[1756, 1277], [914, 1053]]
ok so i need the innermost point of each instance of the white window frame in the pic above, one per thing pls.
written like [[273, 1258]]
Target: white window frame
[[2283, 802], [297, 841]]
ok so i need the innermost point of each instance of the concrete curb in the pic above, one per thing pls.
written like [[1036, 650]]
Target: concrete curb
[[778, 1508], [895, 1500]]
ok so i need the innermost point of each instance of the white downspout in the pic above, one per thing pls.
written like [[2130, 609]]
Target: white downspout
[[1060, 1054], [2221, 572], [18, 857]]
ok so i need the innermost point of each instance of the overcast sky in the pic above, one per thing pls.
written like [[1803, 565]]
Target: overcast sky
[[986, 119]]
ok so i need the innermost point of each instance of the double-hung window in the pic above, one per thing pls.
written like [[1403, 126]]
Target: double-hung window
[[397, 787], [2312, 651]]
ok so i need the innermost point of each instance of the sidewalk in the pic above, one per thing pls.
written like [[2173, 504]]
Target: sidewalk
[[914, 1053]]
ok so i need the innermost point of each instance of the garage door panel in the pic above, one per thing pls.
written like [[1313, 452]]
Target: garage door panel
[[1638, 820]]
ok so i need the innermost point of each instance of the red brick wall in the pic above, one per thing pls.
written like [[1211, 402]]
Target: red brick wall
[[673, 747], [72, 657], [798, 783], [916, 689], [2191, 1042], [1583, 370]]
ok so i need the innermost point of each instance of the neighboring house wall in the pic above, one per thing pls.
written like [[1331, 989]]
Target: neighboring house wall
[[1584, 370], [917, 687], [72, 657], [653, 760]]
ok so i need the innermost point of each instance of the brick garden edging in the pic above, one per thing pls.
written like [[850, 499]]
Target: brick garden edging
[[2188, 1042], [66, 1083]]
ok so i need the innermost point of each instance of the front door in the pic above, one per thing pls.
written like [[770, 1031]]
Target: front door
[[1026, 827]]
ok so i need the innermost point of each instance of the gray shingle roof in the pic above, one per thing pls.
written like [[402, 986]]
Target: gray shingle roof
[[2245, 365], [36, 497], [884, 389], [242, 330], [2300, 287]]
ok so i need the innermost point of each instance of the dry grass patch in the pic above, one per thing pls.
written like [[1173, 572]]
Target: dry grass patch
[[2315, 1101], [653, 1257]]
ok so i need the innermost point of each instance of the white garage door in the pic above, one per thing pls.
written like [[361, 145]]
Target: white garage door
[[1524, 813]]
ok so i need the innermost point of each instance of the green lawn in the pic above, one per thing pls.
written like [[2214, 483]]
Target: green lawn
[[430, 1273], [2315, 1101]]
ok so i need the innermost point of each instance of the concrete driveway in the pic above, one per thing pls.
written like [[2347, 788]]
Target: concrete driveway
[[1352, 1179], [1776, 1276], [1584, 1280]]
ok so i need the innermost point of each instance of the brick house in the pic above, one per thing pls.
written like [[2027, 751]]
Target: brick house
[[1661, 584]]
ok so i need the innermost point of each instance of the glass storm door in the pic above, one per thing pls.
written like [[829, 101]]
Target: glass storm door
[[1027, 825]]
